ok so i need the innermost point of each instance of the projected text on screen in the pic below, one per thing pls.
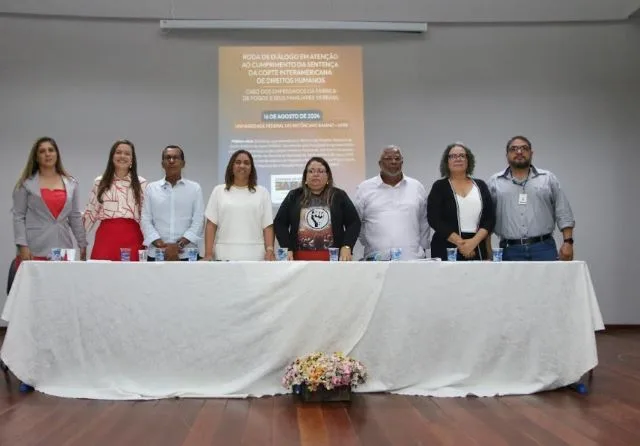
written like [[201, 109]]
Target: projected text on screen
[[288, 104]]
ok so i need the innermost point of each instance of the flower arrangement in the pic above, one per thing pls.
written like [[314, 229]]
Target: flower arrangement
[[319, 370]]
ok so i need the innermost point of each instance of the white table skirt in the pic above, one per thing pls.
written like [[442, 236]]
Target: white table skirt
[[228, 329]]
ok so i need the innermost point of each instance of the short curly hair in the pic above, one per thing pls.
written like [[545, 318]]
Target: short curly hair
[[523, 138], [444, 162]]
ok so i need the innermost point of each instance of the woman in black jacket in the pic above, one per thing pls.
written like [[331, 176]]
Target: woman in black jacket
[[459, 207], [317, 216]]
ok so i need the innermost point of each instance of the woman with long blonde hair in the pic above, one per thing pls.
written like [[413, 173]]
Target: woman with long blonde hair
[[46, 205]]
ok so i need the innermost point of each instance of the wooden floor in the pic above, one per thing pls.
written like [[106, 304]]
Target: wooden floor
[[610, 416]]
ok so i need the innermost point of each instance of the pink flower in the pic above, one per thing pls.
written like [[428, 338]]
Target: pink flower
[[321, 369]]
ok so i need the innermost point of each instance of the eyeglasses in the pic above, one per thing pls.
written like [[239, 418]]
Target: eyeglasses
[[457, 156], [318, 171], [388, 159], [514, 149], [172, 157]]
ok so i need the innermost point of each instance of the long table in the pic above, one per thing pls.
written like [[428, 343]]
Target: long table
[[111, 330]]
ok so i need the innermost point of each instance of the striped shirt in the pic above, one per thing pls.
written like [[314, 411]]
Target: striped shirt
[[545, 204]]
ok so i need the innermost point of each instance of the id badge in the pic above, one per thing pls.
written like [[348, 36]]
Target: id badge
[[522, 199]]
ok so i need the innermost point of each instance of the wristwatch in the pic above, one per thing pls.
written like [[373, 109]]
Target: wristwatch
[[569, 240], [347, 246], [181, 243]]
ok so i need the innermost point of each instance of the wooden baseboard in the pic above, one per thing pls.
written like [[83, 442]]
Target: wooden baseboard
[[608, 327]]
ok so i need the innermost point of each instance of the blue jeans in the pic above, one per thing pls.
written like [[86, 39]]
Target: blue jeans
[[541, 251]]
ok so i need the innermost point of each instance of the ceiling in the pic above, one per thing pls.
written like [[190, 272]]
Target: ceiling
[[431, 11]]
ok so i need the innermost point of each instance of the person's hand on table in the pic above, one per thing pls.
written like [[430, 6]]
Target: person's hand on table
[[566, 252], [467, 248], [269, 255], [25, 253], [172, 252], [345, 254], [208, 257]]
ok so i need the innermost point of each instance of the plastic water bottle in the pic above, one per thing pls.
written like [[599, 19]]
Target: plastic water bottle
[[282, 254], [159, 254], [334, 254], [192, 254], [396, 254]]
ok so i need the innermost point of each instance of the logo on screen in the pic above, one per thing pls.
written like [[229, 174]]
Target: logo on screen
[[317, 218]]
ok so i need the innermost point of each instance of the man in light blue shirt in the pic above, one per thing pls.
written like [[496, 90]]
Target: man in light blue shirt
[[529, 204], [173, 209]]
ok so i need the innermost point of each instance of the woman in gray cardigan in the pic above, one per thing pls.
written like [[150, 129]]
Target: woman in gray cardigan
[[46, 208]]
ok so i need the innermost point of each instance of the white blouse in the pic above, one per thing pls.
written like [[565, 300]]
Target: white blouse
[[241, 216], [469, 210]]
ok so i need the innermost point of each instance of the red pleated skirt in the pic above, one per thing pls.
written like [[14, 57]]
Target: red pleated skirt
[[116, 233]]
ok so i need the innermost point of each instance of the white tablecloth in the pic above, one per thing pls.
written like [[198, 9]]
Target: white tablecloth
[[228, 329]]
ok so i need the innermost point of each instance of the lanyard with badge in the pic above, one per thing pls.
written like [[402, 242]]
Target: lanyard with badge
[[522, 197]]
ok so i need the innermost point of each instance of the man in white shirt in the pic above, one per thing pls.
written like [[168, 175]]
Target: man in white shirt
[[393, 210], [173, 209]]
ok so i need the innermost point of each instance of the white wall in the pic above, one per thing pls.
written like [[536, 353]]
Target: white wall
[[434, 11], [573, 89]]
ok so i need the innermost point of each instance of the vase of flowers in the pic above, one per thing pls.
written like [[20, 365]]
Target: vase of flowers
[[320, 377]]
